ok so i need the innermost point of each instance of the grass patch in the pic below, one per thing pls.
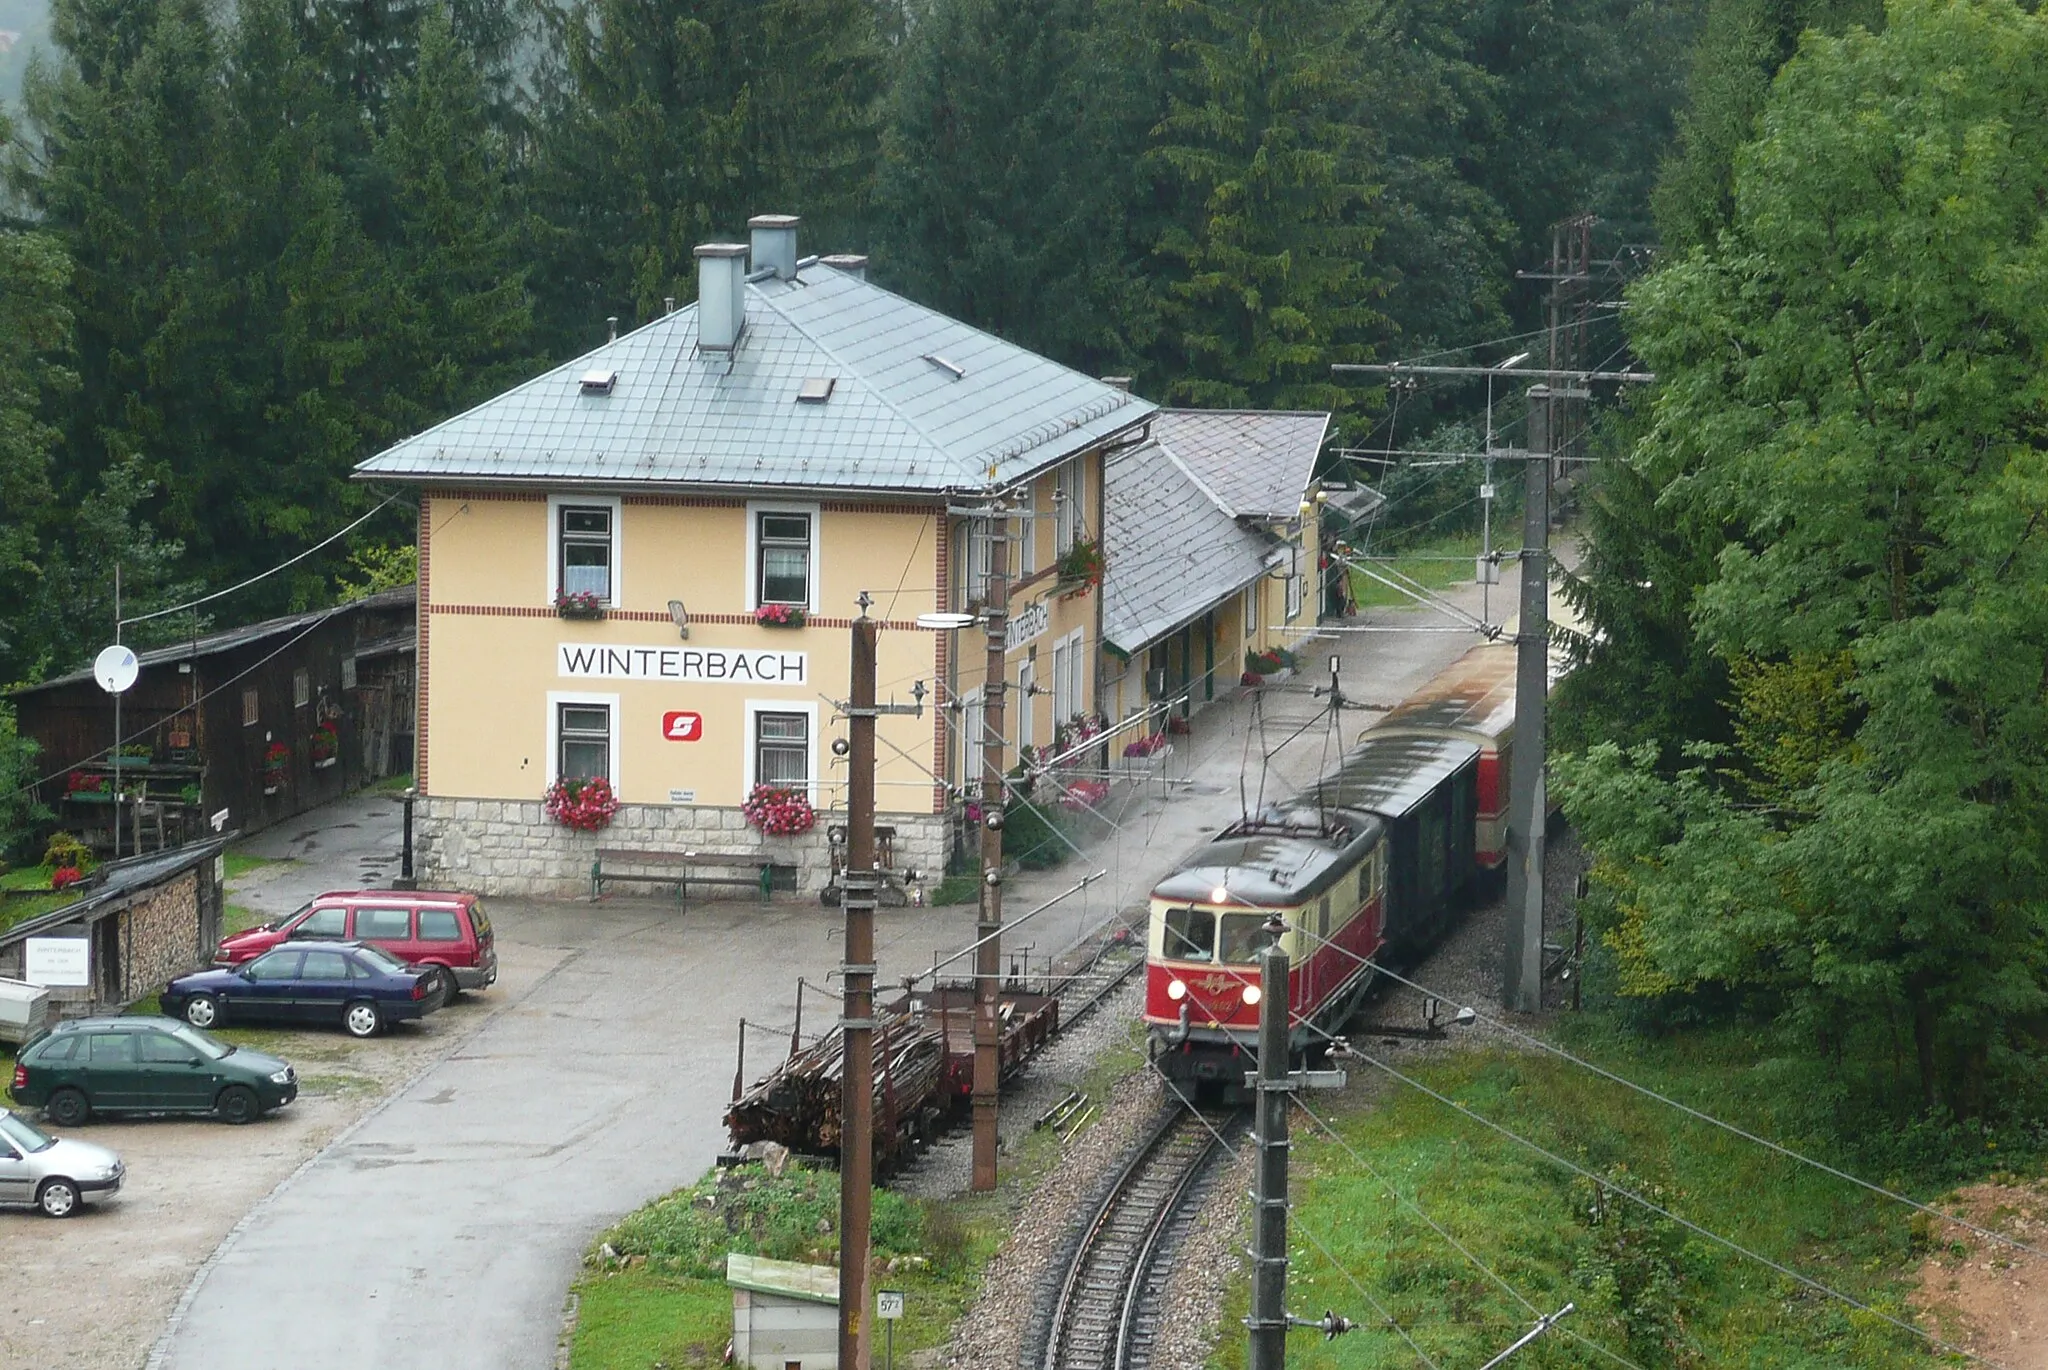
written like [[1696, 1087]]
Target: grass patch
[[338, 1086], [631, 1319], [239, 864], [1438, 565], [19, 908], [391, 784], [235, 918], [1644, 1287], [957, 889], [663, 1295]]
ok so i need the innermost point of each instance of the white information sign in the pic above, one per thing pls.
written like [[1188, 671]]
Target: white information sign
[[889, 1303], [697, 665], [682, 796], [57, 962]]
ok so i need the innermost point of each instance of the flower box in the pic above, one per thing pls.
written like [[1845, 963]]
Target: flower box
[[780, 616], [779, 812], [586, 805], [1148, 762], [583, 604]]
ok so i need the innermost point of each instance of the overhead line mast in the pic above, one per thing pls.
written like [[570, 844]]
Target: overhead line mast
[[1555, 424]]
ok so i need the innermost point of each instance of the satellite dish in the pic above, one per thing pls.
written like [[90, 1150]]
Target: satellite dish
[[115, 668], [943, 622]]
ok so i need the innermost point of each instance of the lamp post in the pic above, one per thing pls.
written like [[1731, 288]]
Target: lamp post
[[405, 877]]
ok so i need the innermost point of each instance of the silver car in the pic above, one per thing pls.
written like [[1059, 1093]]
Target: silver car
[[55, 1176]]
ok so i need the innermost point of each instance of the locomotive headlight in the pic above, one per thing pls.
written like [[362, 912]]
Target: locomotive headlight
[[1176, 991], [1252, 996]]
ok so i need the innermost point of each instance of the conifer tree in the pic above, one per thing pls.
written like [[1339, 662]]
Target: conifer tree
[[1009, 194], [462, 318], [666, 122], [1268, 278]]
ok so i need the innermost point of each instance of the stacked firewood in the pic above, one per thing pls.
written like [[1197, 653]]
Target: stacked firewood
[[797, 1104]]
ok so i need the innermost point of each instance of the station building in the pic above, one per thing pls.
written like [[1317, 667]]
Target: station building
[[644, 565]]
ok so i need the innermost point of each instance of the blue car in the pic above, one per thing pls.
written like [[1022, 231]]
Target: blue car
[[359, 986]]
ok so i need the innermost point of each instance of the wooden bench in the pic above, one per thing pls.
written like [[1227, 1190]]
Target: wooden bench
[[683, 869]]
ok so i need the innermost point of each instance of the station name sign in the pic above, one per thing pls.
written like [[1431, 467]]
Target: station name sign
[[696, 665]]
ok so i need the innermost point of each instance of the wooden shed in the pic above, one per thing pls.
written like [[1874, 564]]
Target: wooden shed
[[141, 921], [785, 1316], [264, 721]]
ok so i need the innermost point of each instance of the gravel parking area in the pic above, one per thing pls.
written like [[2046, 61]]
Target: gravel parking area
[[92, 1292]]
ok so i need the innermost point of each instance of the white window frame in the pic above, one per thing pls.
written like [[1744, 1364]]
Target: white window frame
[[1293, 596], [1069, 677], [554, 549], [754, 709], [1070, 500], [1250, 611], [557, 698], [756, 508], [973, 756], [1027, 676]]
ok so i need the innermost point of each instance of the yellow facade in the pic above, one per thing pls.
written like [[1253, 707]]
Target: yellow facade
[[497, 660]]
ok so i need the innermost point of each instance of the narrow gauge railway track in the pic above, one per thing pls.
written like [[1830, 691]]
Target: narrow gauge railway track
[[1082, 991], [1107, 1310]]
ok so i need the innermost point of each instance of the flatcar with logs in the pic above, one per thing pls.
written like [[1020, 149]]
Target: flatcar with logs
[[1376, 861]]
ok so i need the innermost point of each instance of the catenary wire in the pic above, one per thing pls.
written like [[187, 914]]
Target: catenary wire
[[1687, 1109], [1654, 1207], [1300, 1226], [262, 575], [1438, 1228]]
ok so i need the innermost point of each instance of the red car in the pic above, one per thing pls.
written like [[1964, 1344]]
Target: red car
[[422, 927]]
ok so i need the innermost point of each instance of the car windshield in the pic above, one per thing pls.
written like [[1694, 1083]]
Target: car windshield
[[274, 924], [212, 1048], [380, 958], [23, 1133]]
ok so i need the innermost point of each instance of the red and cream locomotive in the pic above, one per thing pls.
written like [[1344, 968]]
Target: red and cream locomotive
[[1378, 859]]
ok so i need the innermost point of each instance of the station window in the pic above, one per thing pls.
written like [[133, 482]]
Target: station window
[[252, 708], [782, 750], [1293, 598], [584, 740], [583, 542], [783, 546], [1070, 493], [302, 688]]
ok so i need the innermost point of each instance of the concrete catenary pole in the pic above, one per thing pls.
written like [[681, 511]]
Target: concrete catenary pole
[[1269, 1322], [988, 955], [856, 1105], [1523, 973]]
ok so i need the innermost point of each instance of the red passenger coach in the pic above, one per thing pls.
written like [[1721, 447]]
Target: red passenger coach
[[1472, 699]]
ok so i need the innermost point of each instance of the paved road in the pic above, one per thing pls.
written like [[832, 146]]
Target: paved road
[[443, 1232]]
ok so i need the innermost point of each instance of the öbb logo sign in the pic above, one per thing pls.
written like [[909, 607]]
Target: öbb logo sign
[[678, 726]]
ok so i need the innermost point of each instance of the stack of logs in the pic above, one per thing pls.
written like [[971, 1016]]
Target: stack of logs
[[797, 1104]]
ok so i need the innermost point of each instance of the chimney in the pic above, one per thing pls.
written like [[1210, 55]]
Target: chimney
[[775, 243], [852, 263], [1122, 383], [721, 295]]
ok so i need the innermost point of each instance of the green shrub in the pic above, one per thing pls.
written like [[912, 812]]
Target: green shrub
[[793, 1217], [64, 849]]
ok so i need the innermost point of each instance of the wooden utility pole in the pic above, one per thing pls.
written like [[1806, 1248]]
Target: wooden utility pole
[[857, 1089], [988, 929]]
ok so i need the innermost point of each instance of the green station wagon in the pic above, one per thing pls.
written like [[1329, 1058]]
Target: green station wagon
[[146, 1064]]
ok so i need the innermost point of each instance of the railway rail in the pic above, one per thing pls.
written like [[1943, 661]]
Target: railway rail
[[1108, 1308]]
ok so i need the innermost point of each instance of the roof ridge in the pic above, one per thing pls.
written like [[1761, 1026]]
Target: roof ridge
[[851, 369], [1199, 483]]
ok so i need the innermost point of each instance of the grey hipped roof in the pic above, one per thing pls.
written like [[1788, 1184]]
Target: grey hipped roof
[[1258, 463], [1171, 551], [918, 402]]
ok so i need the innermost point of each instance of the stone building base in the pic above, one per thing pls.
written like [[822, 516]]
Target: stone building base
[[509, 846]]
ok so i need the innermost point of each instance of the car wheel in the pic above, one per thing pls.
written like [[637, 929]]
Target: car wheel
[[203, 1011], [362, 1019], [237, 1104], [450, 990], [57, 1198], [68, 1108]]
